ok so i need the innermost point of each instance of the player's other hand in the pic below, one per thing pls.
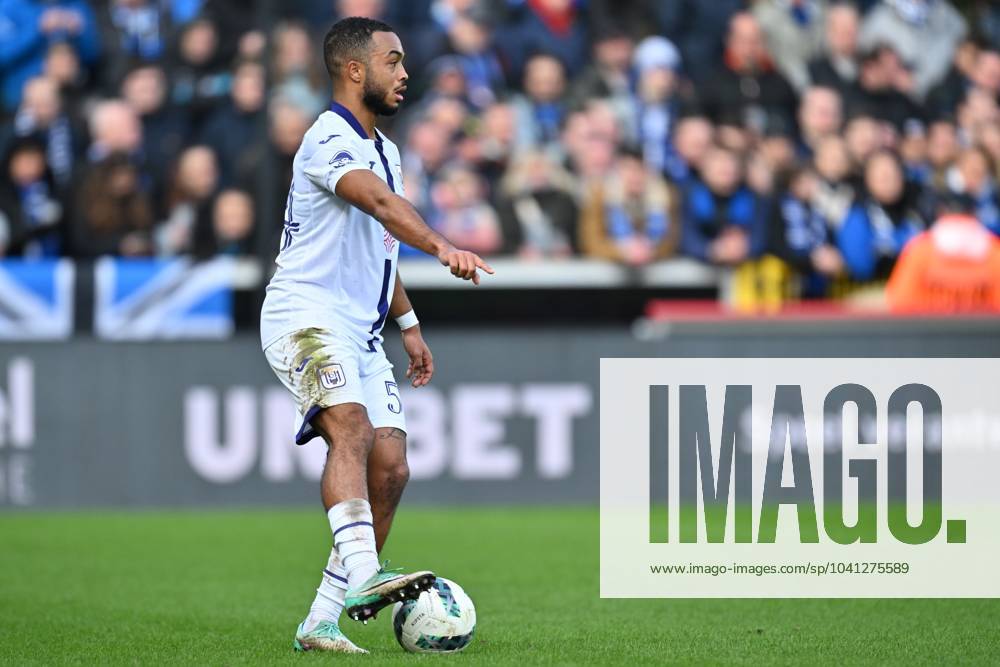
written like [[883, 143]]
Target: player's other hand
[[464, 264], [421, 367]]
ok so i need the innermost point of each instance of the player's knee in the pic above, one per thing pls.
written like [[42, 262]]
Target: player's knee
[[398, 474], [348, 428], [359, 434]]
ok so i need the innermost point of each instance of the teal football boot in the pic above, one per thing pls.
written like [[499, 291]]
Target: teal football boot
[[324, 637], [384, 588]]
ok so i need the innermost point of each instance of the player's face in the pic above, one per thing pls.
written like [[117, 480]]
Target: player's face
[[385, 79]]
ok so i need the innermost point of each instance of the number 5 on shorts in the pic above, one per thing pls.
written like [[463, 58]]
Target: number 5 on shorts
[[395, 404]]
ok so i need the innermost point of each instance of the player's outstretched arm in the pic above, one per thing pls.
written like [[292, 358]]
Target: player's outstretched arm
[[368, 192]]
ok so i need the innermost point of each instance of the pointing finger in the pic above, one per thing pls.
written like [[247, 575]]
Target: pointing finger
[[483, 265]]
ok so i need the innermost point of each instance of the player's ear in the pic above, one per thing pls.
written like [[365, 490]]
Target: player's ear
[[355, 71]]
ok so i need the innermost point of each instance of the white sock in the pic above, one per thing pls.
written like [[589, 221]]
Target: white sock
[[330, 595], [354, 539]]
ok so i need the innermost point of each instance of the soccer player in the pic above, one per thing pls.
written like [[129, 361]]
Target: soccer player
[[335, 283]]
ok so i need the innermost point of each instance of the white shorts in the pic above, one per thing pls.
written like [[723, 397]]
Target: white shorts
[[322, 369]]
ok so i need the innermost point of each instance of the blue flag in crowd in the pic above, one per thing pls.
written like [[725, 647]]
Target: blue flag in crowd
[[36, 299], [146, 299]]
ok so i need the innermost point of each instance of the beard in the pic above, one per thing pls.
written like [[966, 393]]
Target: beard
[[373, 97]]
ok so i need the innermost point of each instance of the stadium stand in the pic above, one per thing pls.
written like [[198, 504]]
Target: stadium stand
[[756, 152]]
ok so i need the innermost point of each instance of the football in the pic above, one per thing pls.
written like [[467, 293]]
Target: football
[[441, 620]]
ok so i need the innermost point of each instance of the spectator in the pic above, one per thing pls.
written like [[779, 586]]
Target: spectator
[[537, 210], [698, 29], [287, 127], [656, 63], [632, 218], [723, 219], [942, 151], [794, 33], [978, 109], [232, 129], [468, 37], [864, 136], [62, 65], [113, 215], [41, 115], [232, 226], [428, 150], [372, 9], [913, 151], [883, 89], [164, 130], [837, 67], [235, 23], [31, 211], [833, 191], [924, 32], [804, 237], [974, 177], [882, 221], [589, 149], [539, 112], [609, 75], [952, 268], [450, 114], [692, 139], [293, 70], [986, 18], [985, 72], [553, 27], [132, 31], [945, 97], [988, 137], [632, 18], [28, 28], [491, 146], [773, 158], [746, 89], [114, 128], [461, 215], [200, 82], [820, 116], [195, 181], [445, 79]]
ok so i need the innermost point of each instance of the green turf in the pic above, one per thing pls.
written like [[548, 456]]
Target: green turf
[[224, 588]]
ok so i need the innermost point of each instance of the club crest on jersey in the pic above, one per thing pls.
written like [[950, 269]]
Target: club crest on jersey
[[332, 376], [340, 159], [390, 241]]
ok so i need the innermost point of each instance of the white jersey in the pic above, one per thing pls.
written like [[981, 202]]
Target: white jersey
[[337, 265]]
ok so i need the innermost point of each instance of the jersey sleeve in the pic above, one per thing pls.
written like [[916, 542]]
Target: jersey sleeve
[[331, 158]]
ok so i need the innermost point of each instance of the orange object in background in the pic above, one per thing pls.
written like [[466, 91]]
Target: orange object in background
[[952, 268]]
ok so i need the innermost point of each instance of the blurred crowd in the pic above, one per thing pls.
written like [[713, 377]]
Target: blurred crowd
[[823, 136]]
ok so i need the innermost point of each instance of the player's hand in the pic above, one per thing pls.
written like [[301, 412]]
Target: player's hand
[[464, 264], [421, 367]]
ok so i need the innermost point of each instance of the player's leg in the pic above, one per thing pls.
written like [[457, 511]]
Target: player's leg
[[388, 471], [349, 437], [387, 477], [388, 474], [321, 372]]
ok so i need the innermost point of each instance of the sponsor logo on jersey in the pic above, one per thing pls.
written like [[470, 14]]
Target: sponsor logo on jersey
[[340, 159], [390, 241]]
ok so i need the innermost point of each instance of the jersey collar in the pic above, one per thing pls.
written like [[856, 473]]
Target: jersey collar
[[346, 114]]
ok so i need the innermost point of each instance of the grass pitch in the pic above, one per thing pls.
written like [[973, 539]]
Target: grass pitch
[[227, 588]]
